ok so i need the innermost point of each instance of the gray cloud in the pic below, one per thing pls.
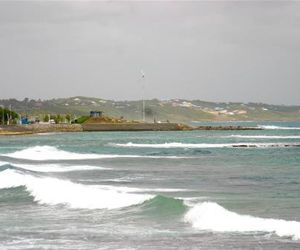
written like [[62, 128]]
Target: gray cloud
[[219, 51]]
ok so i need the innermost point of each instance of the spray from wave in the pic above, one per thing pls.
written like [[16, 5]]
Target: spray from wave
[[52, 191], [213, 217]]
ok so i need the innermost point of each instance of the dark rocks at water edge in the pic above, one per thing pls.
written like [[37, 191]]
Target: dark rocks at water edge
[[226, 128]]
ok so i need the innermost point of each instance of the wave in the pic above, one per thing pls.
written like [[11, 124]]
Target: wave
[[55, 167], [164, 207], [264, 136], [277, 127], [142, 190], [52, 191], [213, 217], [209, 145], [2, 163], [42, 153], [207, 216]]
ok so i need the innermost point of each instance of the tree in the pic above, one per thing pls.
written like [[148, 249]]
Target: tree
[[7, 115], [46, 118], [68, 118], [58, 119]]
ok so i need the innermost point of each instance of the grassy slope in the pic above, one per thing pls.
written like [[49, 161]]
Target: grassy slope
[[172, 110]]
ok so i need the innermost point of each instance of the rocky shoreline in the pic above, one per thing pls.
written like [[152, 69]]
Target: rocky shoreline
[[52, 128], [227, 128]]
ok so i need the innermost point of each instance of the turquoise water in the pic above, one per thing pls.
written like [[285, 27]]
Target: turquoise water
[[152, 190]]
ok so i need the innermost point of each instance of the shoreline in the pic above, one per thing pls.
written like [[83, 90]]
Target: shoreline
[[10, 133], [11, 130]]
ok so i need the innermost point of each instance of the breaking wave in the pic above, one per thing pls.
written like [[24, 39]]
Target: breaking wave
[[52, 191], [42, 153], [264, 136], [277, 127], [55, 167], [2, 163], [209, 145], [208, 216], [213, 217]]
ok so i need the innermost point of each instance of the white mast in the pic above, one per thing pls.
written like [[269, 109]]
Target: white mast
[[143, 96], [9, 114]]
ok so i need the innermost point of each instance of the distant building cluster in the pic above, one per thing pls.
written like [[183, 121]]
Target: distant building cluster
[[212, 110], [96, 113]]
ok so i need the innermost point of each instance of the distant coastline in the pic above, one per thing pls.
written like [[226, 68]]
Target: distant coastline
[[173, 110]]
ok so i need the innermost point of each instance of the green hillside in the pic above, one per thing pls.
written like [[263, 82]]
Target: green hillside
[[175, 110]]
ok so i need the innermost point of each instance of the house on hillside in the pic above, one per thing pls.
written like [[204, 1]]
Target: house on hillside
[[96, 113]]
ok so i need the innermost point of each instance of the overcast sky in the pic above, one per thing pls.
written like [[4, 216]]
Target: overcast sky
[[216, 51]]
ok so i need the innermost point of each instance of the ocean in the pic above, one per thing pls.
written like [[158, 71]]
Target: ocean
[[152, 190]]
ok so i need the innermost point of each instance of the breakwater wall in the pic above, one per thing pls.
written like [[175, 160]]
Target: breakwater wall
[[44, 128], [132, 127], [50, 128], [13, 130], [38, 128]]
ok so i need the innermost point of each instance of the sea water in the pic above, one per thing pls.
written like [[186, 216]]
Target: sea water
[[152, 190]]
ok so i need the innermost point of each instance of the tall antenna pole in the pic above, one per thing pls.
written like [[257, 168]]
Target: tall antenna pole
[[143, 97], [10, 112], [8, 116]]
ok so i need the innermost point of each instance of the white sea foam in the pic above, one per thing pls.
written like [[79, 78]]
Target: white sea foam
[[141, 190], [3, 163], [52, 191], [49, 133], [56, 167], [213, 217], [42, 153], [208, 145], [264, 136], [277, 127]]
